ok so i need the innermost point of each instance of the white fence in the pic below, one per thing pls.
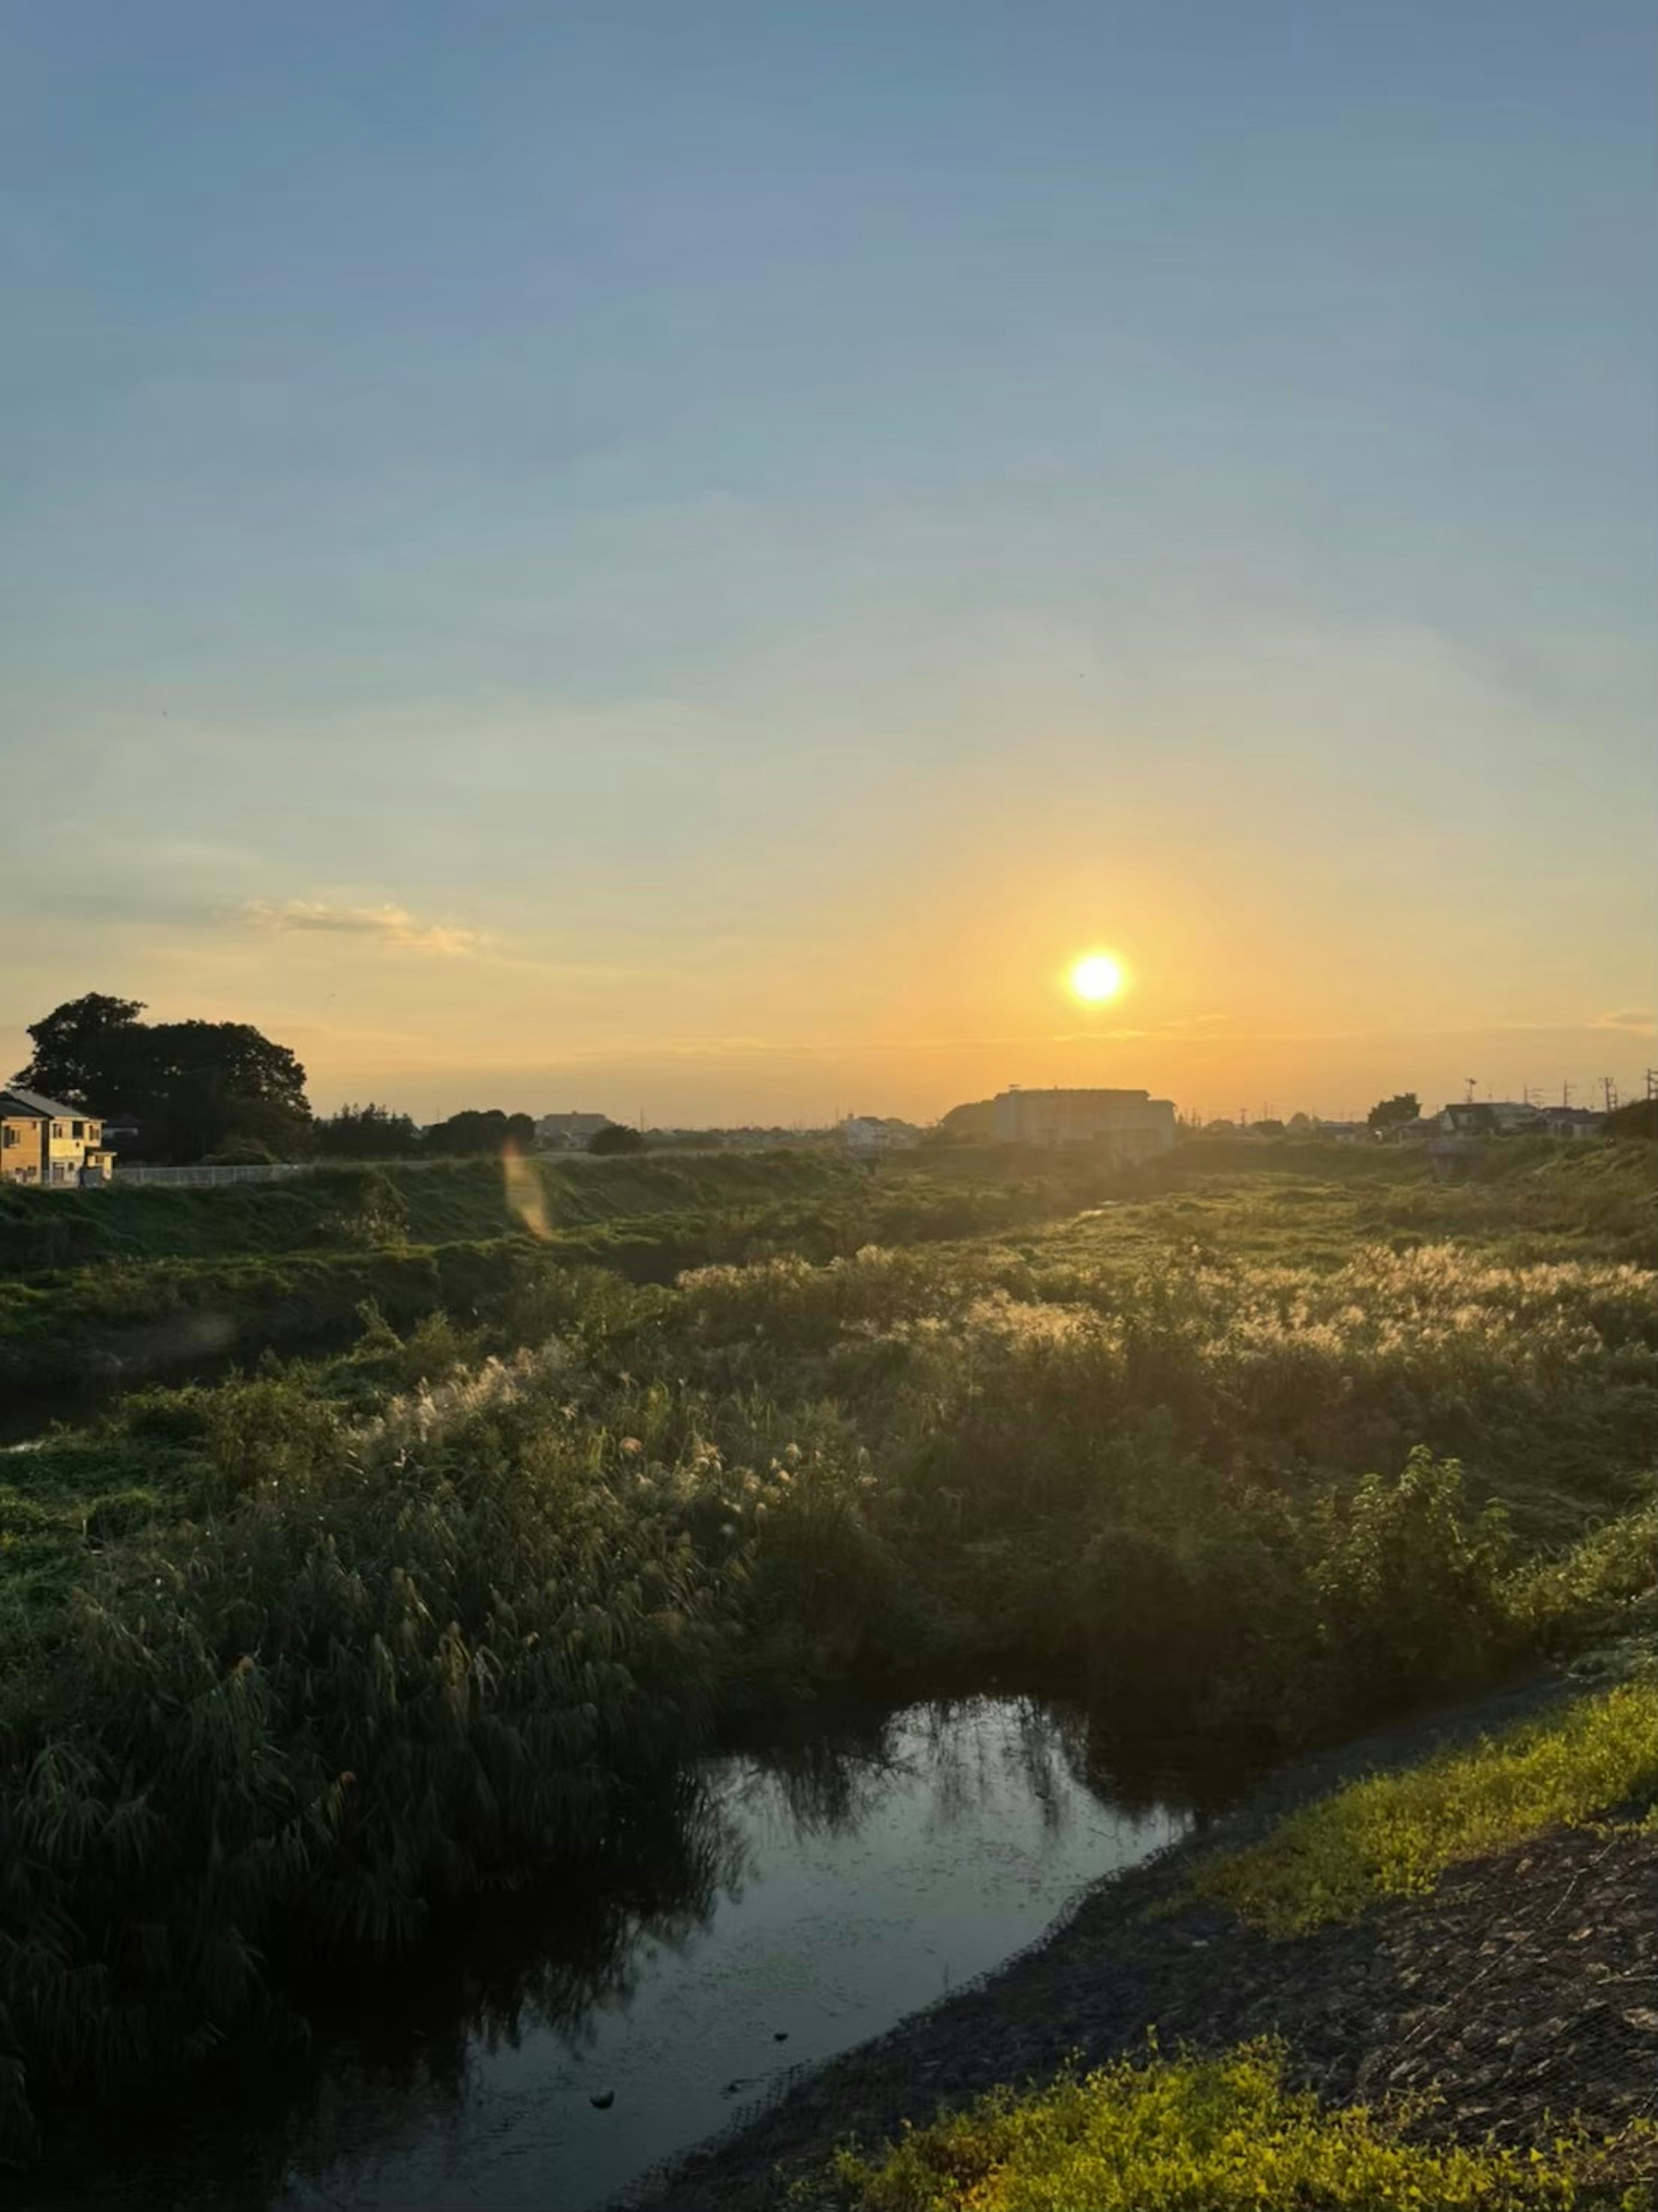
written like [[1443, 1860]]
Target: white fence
[[210, 1178]]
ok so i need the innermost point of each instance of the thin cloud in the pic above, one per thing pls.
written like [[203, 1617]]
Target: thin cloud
[[1642, 1023], [384, 925]]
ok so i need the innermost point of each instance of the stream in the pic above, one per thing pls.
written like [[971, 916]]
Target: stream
[[797, 1902]]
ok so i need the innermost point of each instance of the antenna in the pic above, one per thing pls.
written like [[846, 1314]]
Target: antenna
[[1473, 1083]]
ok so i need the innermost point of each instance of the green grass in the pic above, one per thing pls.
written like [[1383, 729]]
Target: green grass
[[1394, 1835], [447, 1201], [1210, 2135]]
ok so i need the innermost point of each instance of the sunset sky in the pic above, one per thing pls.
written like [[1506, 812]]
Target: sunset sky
[[680, 556]]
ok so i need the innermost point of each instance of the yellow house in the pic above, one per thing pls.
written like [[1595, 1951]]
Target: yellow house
[[42, 1142]]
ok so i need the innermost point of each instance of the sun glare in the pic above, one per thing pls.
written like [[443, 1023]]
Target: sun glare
[[1096, 978]]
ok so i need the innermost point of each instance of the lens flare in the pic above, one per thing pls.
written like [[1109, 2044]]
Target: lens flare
[[526, 1194]]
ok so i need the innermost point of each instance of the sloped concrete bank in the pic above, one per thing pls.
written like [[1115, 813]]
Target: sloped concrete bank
[[1528, 1985]]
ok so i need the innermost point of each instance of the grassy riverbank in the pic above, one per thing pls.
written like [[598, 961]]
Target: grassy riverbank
[[293, 1659]]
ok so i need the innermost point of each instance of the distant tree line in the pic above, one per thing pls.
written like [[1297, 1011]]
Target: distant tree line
[[201, 1090], [376, 1132]]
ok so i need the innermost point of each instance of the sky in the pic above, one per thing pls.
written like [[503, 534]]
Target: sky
[[685, 560]]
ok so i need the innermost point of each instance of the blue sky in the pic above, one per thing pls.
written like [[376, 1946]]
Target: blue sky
[[690, 555]]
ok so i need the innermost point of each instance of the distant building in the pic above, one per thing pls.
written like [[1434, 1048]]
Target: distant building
[[1578, 1122], [1515, 1117], [867, 1135], [569, 1133], [1343, 1132], [44, 1142], [1130, 1123]]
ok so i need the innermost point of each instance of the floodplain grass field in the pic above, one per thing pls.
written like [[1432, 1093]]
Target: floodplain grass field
[[1272, 1440]]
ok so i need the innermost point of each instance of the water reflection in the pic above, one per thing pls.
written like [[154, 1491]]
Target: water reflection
[[777, 1910]]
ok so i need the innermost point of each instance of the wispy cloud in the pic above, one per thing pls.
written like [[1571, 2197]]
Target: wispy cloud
[[1643, 1023], [384, 925]]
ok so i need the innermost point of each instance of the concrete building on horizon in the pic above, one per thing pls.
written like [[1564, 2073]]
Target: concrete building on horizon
[[1132, 1124]]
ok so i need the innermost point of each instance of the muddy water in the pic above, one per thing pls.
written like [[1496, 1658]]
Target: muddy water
[[804, 1901]]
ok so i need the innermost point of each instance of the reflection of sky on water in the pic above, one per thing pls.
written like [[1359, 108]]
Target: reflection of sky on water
[[857, 1882], [786, 1908]]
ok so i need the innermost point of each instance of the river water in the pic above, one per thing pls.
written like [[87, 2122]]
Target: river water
[[801, 1902]]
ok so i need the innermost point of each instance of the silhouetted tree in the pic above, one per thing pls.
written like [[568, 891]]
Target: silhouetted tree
[[368, 1132], [477, 1130], [86, 1051], [194, 1086], [1391, 1112], [617, 1138]]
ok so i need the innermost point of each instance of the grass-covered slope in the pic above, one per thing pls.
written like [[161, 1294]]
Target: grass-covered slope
[[1394, 1835], [1222, 2133], [447, 1201]]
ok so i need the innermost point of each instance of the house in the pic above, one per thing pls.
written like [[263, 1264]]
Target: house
[[569, 1133], [867, 1135], [1471, 1118], [1576, 1122], [1132, 1124], [44, 1142]]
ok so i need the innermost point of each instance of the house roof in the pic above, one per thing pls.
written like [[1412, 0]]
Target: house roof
[[31, 1101]]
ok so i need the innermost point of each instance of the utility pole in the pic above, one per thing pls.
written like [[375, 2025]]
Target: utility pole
[[1609, 1092], [1565, 1092]]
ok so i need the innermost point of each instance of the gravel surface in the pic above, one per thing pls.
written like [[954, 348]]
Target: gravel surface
[[1526, 1983]]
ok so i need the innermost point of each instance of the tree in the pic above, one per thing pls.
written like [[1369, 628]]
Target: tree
[[85, 1052], [1392, 1112], [368, 1132], [194, 1086], [616, 1137], [476, 1130], [210, 1081]]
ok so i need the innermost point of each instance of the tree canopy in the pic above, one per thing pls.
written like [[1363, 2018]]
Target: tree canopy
[[489, 1130], [616, 1137], [194, 1086], [1389, 1113], [368, 1132]]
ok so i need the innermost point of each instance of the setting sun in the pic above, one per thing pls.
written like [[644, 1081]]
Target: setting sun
[[1097, 977]]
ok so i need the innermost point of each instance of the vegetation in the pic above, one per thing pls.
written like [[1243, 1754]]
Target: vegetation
[[1394, 1834], [293, 1657], [1391, 1112], [365, 1132], [1206, 2134], [194, 1086], [617, 1138]]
